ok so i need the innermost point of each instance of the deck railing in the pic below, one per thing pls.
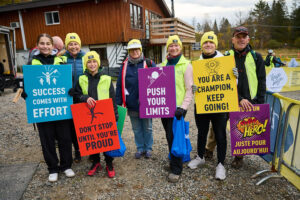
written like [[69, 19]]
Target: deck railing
[[161, 29]]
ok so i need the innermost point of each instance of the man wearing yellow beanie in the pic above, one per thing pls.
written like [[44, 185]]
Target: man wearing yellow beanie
[[93, 85]]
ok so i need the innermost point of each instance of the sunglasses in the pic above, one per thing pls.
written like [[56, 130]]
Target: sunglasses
[[241, 30]]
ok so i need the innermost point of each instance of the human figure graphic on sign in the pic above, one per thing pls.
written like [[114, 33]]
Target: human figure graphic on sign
[[93, 114], [155, 75], [48, 76]]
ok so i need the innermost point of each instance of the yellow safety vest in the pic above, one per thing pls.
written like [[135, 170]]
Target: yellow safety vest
[[180, 69], [57, 61], [102, 87], [250, 67], [271, 62]]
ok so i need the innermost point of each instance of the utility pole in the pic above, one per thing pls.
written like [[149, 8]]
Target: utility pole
[[172, 7]]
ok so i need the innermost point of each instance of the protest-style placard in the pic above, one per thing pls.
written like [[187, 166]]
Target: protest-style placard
[[96, 127], [216, 85], [250, 130], [157, 92], [47, 89]]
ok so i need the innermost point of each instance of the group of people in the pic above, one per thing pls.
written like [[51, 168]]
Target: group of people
[[90, 85]]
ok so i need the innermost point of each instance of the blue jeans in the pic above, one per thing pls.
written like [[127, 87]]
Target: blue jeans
[[142, 129]]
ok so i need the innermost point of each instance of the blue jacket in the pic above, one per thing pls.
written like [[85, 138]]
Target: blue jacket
[[131, 85], [77, 65]]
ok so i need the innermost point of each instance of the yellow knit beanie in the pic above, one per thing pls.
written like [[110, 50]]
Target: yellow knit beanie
[[209, 36], [72, 37], [174, 39], [92, 55]]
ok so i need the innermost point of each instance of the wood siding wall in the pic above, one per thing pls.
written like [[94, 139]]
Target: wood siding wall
[[105, 22]]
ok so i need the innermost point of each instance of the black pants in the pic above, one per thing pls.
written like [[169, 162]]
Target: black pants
[[219, 122], [59, 130], [74, 136], [176, 164], [96, 159]]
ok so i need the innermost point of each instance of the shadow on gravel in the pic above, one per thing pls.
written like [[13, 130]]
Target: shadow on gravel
[[14, 180]]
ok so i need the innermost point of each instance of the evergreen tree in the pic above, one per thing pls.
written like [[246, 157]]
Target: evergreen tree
[[295, 22], [215, 27], [279, 17], [261, 16], [206, 26], [224, 35]]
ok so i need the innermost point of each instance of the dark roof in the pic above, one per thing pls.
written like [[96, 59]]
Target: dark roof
[[164, 7], [35, 4], [44, 3]]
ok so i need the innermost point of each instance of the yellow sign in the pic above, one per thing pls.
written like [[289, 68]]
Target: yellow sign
[[216, 85]]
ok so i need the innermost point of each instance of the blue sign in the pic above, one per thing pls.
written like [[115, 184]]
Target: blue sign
[[47, 89]]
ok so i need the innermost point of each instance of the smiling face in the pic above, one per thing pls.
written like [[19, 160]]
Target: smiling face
[[174, 49], [135, 53], [208, 48], [73, 48], [45, 46], [92, 66], [240, 41]]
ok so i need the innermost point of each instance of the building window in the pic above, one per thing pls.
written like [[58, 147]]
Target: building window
[[136, 16], [154, 16], [52, 18]]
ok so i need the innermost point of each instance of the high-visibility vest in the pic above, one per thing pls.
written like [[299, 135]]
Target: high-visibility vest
[[180, 69], [102, 87], [250, 67], [57, 61]]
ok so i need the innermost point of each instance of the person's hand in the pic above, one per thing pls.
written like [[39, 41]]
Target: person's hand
[[179, 113], [91, 102], [246, 105], [194, 88], [71, 92], [235, 72], [24, 95]]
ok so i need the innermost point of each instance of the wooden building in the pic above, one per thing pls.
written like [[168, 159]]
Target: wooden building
[[103, 25]]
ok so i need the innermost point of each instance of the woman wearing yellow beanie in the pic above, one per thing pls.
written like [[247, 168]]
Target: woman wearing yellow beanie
[[184, 95], [74, 56]]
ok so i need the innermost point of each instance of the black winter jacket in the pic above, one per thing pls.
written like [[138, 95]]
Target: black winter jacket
[[243, 86], [92, 91]]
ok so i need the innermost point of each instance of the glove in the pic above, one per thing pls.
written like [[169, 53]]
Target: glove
[[71, 92], [194, 88], [24, 95], [179, 113], [235, 72]]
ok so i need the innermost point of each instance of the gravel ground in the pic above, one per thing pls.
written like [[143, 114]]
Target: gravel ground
[[135, 179]]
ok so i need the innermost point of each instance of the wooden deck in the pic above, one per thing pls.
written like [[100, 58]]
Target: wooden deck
[[161, 29]]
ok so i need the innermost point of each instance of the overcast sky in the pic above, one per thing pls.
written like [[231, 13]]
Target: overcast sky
[[215, 9]]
